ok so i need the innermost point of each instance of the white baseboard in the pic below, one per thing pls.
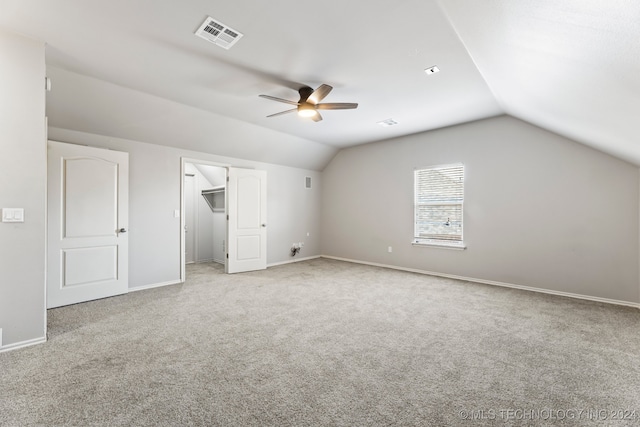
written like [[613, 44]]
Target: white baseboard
[[494, 283], [22, 344], [154, 285], [292, 260]]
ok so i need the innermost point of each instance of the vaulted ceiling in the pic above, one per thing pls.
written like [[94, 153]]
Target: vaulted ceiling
[[135, 70]]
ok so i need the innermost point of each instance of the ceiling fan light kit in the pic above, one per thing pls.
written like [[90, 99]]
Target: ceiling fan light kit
[[309, 103], [306, 110]]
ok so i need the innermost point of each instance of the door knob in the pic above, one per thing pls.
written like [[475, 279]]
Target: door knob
[[122, 230], [264, 225]]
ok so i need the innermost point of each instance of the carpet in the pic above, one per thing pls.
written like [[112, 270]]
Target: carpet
[[328, 343]]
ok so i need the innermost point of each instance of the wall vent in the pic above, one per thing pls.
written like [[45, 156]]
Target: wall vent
[[307, 182], [218, 33]]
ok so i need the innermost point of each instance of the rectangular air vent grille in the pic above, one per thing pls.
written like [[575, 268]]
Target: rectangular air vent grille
[[218, 33]]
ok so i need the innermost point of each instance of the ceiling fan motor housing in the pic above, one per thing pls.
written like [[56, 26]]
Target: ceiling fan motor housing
[[305, 92]]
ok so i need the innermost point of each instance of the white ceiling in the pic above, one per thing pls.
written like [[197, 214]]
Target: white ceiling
[[135, 70]]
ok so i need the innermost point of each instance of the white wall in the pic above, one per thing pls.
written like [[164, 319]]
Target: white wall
[[540, 210], [154, 192], [23, 174], [215, 177], [204, 222]]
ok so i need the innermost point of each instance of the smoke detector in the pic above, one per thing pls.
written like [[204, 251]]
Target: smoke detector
[[387, 123], [218, 33]]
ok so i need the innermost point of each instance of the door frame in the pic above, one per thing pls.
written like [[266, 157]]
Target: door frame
[[183, 162]]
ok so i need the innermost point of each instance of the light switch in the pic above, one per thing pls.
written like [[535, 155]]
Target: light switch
[[12, 215]]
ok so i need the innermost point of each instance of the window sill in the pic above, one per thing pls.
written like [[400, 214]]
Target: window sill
[[439, 244]]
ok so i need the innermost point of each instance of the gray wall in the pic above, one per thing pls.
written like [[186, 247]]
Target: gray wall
[[22, 185], [154, 194], [203, 227], [540, 210]]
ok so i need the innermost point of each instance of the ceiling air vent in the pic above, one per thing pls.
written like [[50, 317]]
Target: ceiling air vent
[[218, 33]]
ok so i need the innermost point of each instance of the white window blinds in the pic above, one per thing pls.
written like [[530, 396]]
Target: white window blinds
[[439, 197]]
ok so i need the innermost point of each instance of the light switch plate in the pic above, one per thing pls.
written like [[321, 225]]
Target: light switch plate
[[12, 215]]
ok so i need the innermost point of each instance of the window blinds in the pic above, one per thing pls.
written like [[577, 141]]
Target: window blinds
[[439, 196]]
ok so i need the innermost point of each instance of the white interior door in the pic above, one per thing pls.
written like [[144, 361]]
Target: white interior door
[[247, 213], [87, 219]]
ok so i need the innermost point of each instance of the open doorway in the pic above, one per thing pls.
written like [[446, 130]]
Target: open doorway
[[203, 222], [231, 196]]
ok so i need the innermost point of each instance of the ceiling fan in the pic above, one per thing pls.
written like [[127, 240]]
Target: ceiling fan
[[309, 103]]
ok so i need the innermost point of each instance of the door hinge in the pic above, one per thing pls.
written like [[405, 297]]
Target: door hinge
[[227, 217], [227, 256]]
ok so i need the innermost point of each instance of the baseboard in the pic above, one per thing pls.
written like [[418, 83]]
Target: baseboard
[[493, 283], [154, 285], [22, 344], [292, 260]]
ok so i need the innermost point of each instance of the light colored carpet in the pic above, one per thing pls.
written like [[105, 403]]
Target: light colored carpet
[[327, 343]]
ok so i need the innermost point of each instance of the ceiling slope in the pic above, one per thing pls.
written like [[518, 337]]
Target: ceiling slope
[[85, 104], [571, 66], [372, 53]]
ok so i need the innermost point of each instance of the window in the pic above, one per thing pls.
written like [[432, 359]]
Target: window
[[439, 197]]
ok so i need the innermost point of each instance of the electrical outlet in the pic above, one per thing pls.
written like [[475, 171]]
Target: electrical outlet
[[389, 249]]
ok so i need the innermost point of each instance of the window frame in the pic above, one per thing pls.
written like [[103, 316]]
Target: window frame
[[434, 242]]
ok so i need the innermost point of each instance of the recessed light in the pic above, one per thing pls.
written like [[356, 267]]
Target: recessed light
[[387, 123], [432, 70]]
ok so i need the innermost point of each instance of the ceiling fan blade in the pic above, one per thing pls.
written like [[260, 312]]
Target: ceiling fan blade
[[319, 94], [283, 112], [316, 117], [337, 106], [273, 98]]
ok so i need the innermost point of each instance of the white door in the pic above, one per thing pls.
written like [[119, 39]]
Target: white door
[[247, 213], [189, 219], [87, 219]]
